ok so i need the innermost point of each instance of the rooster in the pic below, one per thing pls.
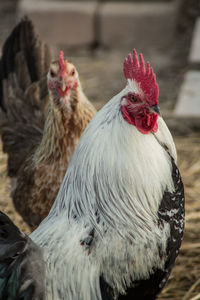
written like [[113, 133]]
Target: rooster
[[41, 121], [116, 226]]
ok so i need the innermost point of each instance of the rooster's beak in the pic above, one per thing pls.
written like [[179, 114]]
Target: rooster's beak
[[156, 109]]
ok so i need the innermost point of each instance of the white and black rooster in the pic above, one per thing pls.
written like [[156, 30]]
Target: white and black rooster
[[117, 224]]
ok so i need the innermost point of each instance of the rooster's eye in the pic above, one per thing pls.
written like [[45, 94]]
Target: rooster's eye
[[73, 72], [133, 98]]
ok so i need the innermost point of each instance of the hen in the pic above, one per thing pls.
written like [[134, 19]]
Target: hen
[[116, 226], [40, 125]]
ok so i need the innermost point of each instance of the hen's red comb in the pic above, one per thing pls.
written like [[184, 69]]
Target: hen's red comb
[[134, 69], [62, 64]]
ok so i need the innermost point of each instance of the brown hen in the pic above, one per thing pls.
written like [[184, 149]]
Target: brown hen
[[42, 118]]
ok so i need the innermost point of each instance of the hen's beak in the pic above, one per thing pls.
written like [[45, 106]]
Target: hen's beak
[[63, 84], [63, 88], [156, 109]]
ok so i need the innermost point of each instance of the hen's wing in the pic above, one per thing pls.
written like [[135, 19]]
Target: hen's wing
[[23, 93], [21, 264]]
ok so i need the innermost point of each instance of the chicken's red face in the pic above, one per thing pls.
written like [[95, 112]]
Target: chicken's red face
[[139, 113], [62, 78], [140, 105]]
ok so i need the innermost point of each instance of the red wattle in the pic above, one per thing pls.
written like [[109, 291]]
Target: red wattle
[[63, 93], [145, 122]]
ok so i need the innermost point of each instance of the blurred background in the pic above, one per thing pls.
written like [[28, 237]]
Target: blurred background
[[96, 36]]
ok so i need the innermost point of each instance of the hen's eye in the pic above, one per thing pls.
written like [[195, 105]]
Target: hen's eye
[[133, 98], [52, 74], [73, 72]]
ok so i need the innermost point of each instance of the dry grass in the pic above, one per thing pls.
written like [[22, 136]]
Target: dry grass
[[6, 204], [184, 282]]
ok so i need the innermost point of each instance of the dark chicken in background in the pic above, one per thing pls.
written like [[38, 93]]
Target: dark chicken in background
[[41, 120]]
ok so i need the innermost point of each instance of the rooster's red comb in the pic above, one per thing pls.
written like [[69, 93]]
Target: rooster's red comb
[[62, 63], [134, 69]]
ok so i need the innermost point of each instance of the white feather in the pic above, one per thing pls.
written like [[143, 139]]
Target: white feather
[[122, 174]]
